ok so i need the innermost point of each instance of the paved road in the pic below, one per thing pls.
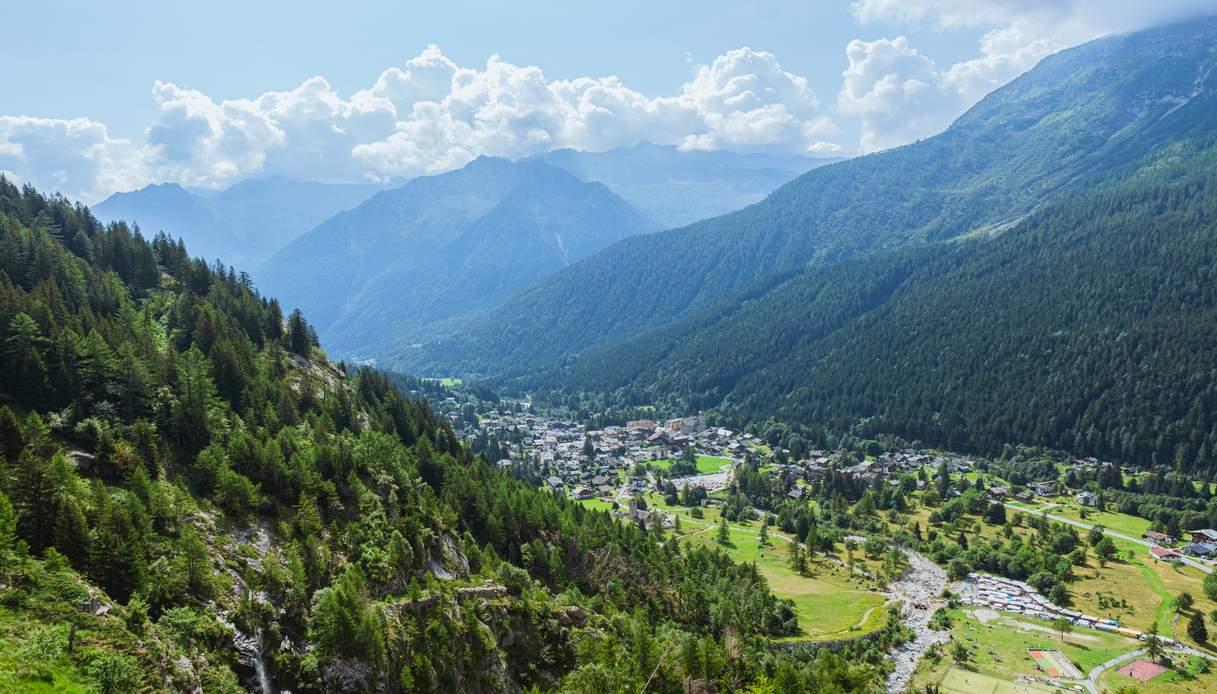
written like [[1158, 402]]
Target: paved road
[[1091, 682], [1092, 678], [1106, 531]]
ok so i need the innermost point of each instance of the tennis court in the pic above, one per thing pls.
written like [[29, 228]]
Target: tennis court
[[1054, 664]]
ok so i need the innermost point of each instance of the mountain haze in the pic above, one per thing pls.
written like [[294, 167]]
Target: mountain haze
[[1081, 117], [675, 187], [241, 225], [441, 247]]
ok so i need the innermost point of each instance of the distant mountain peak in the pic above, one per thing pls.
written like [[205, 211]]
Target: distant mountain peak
[[240, 225], [442, 246]]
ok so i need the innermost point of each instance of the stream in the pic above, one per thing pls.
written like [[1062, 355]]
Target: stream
[[250, 652], [251, 649]]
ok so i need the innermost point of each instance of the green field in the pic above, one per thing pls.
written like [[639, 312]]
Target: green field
[[1119, 522], [706, 464], [830, 604], [957, 681], [998, 650], [597, 504]]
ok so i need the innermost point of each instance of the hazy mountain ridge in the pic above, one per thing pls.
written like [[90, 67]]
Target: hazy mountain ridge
[[1080, 117], [676, 187], [242, 224], [442, 246]]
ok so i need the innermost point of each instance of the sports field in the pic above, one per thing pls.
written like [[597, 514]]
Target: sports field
[[958, 681], [706, 464], [1054, 663]]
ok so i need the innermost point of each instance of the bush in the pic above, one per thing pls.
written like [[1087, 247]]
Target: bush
[[1210, 586], [114, 674]]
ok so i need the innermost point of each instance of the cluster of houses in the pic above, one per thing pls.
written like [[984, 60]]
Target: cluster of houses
[[588, 463], [1008, 595], [1203, 545], [817, 464]]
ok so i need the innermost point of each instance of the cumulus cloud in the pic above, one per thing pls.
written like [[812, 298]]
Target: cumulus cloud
[[76, 156], [743, 100], [899, 94], [427, 116], [430, 114]]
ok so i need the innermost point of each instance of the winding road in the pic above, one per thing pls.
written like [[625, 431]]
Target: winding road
[[1106, 531], [1092, 678]]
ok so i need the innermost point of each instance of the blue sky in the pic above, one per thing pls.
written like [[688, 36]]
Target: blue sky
[[101, 97], [107, 57]]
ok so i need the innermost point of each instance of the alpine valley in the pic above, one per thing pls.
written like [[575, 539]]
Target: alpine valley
[[472, 409]]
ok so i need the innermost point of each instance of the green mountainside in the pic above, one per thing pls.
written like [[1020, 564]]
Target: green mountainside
[[1082, 323], [1081, 117], [1089, 327], [193, 497]]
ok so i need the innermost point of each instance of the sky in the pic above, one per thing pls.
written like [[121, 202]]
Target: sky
[[106, 97]]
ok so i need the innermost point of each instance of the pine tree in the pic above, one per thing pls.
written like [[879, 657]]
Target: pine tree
[[12, 440], [8, 525], [724, 535], [1196, 628], [274, 320], [1153, 644], [798, 562], [196, 560], [763, 537], [299, 334], [71, 535]]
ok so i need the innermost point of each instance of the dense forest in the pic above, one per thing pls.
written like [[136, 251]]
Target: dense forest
[[1080, 118], [1083, 323], [1087, 328], [182, 470]]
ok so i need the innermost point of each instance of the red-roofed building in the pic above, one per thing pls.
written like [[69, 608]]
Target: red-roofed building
[[1165, 554], [1159, 538]]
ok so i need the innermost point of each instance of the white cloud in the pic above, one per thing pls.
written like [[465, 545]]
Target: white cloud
[[74, 156], [898, 94], [427, 116], [744, 100], [430, 114], [894, 91]]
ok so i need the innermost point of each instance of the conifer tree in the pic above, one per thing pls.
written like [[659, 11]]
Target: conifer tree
[[1196, 628]]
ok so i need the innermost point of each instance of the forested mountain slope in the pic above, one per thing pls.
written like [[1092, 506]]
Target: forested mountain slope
[[1090, 327], [441, 247], [675, 187], [192, 496], [1079, 118], [241, 225]]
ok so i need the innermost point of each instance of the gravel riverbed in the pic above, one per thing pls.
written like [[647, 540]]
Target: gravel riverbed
[[919, 589]]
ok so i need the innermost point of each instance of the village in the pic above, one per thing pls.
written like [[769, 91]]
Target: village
[[587, 463], [624, 469], [619, 464]]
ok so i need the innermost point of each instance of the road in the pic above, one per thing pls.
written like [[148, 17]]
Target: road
[[1106, 531], [1092, 678]]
